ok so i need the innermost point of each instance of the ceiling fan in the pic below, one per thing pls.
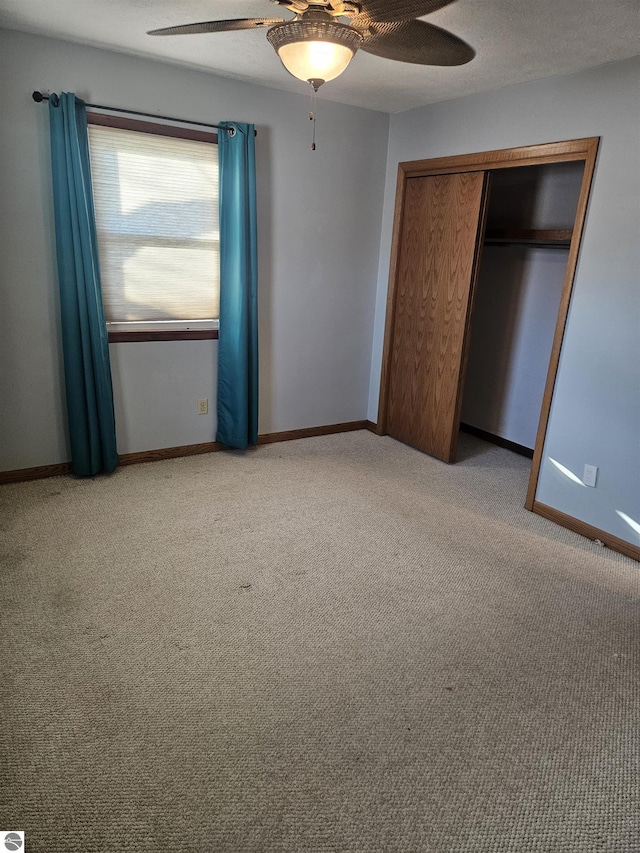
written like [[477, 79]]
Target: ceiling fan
[[316, 45]]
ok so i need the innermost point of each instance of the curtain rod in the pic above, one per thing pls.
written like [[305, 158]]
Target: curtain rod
[[38, 97]]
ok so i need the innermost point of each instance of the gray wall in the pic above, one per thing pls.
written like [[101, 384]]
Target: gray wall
[[319, 227], [595, 417]]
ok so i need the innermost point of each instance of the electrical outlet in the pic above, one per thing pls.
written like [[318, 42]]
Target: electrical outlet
[[203, 406], [590, 475]]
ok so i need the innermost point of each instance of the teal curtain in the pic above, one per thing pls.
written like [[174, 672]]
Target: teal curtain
[[238, 335], [89, 393]]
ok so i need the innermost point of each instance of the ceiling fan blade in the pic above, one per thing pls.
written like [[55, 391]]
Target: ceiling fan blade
[[400, 10], [417, 42], [216, 26]]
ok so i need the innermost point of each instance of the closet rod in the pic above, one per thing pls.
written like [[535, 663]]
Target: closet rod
[[533, 244], [38, 97]]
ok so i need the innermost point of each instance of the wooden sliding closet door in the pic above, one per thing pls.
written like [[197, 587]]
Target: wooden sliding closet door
[[442, 228]]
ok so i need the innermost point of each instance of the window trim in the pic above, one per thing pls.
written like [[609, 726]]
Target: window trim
[[121, 337], [157, 129], [119, 333]]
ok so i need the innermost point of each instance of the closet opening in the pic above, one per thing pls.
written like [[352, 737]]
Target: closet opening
[[530, 216]]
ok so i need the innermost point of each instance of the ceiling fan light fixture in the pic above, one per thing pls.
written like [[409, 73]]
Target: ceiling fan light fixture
[[314, 47]]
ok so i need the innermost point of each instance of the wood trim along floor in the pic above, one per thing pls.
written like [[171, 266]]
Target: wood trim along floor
[[170, 453], [584, 529], [310, 432], [498, 440], [40, 472]]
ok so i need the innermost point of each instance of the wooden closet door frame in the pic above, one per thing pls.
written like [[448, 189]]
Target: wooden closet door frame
[[573, 150]]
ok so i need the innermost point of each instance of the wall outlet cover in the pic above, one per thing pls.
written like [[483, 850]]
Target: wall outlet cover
[[590, 475]]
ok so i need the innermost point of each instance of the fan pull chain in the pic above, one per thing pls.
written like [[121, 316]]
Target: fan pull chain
[[312, 115]]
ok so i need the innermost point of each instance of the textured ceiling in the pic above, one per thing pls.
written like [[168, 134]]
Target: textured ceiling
[[515, 40]]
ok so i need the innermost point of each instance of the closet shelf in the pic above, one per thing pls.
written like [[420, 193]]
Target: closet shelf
[[551, 238]]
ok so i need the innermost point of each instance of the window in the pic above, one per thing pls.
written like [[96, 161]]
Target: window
[[156, 202]]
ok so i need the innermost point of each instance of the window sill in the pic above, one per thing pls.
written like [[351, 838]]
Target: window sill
[[162, 335]]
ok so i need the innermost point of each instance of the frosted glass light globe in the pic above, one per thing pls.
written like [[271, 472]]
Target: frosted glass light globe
[[315, 60]]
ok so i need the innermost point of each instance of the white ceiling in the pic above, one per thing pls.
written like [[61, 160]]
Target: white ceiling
[[515, 41]]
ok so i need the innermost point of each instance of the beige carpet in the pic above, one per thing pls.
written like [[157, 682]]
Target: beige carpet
[[335, 644]]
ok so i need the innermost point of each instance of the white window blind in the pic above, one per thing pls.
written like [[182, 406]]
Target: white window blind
[[156, 204]]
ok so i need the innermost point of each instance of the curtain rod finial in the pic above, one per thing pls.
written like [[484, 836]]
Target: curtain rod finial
[[38, 97]]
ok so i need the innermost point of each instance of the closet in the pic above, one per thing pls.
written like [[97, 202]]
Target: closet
[[483, 258], [530, 215]]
